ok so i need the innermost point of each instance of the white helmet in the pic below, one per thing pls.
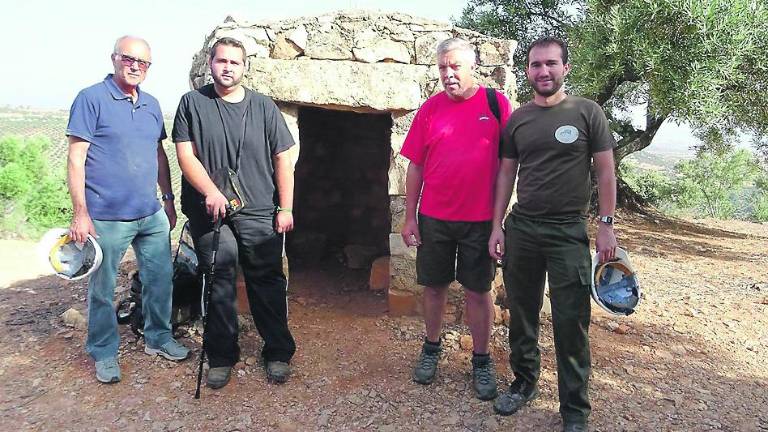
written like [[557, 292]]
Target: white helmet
[[614, 284], [70, 260]]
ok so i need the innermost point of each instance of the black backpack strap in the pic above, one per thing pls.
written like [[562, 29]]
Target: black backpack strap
[[493, 103]]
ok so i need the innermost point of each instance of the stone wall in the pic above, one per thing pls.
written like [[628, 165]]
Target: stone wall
[[365, 62]]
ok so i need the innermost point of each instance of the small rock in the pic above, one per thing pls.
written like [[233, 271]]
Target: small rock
[[465, 342], [251, 360], [176, 385], [450, 420], [285, 425], [73, 318], [324, 419], [679, 350], [612, 325], [175, 425], [355, 399], [622, 329]]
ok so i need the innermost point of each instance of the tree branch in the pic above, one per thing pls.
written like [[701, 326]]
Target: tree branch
[[638, 139]]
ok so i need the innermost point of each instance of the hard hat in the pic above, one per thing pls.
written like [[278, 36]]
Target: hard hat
[[614, 286], [70, 260]]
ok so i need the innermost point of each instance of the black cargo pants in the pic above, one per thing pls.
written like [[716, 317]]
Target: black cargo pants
[[558, 248]]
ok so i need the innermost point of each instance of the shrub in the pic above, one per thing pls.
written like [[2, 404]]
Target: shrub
[[32, 196]]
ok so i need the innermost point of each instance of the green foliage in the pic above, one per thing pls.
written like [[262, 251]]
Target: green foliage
[[653, 187], [710, 182], [760, 208], [523, 21], [697, 61], [32, 196]]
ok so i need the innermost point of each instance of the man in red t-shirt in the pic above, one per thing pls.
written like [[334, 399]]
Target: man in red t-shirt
[[453, 146]]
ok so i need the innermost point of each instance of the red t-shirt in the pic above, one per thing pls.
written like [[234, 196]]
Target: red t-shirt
[[457, 144]]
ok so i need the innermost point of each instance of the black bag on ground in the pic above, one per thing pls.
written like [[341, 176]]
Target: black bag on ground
[[186, 290]]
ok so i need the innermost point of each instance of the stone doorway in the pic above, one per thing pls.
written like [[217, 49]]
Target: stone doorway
[[342, 207]]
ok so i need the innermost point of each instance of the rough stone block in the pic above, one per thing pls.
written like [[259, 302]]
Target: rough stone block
[[285, 49], [403, 274], [402, 302], [372, 86], [496, 52], [398, 171], [397, 212], [382, 49], [397, 247], [426, 47], [379, 278]]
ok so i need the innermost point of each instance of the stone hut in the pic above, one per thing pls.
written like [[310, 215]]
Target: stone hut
[[348, 84]]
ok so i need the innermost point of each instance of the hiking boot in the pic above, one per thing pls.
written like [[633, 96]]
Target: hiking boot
[[172, 350], [218, 377], [520, 393], [108, 370], [278, 372], [484, 377], [575, 427], [426, 367]]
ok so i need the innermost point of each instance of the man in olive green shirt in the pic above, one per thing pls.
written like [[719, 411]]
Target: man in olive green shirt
[[549, 145]]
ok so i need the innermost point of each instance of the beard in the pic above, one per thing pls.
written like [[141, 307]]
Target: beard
[[227, 83], [557, 84]]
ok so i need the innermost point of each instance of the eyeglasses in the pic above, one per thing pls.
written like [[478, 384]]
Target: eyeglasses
[[127, 60]]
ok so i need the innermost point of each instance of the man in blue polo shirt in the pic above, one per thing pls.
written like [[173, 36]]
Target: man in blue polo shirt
[[115, 160]]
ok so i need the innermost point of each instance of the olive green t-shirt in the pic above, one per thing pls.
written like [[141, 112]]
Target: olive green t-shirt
[[554, 147]]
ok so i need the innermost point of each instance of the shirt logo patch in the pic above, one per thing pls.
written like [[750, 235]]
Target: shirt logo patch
[[483, 118], [567, 134]]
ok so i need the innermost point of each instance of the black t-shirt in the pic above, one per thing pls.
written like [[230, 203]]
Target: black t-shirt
[[215, 127], [554, 147]]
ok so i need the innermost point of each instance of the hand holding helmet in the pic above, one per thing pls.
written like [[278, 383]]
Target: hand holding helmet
[[69, 259], [614, 286]]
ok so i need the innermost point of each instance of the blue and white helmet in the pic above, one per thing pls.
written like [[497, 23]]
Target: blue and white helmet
[[615, 287], [68, 259]]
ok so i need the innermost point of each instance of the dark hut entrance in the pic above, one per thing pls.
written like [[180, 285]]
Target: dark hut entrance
[[341, 203]]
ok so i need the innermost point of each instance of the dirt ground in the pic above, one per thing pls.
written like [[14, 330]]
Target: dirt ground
[[693, 358]]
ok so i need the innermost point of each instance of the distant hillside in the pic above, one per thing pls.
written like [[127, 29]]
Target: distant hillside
[[658, 161]]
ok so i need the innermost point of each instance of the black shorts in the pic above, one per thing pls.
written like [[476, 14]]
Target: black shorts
[[454, 251]]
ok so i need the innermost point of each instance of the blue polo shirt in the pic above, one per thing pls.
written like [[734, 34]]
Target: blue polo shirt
[[121, 165]]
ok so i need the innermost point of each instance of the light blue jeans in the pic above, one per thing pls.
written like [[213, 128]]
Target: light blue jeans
[[150, 239]]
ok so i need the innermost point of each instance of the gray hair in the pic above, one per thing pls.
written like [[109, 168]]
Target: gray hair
[[116, 49], [456, 44]]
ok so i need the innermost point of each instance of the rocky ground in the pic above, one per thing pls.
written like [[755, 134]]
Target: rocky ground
[[693, 358]]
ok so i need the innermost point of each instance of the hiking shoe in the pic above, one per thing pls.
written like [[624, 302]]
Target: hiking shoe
[[108, 371], [426, 367], [172, 350], [218, 377], [278, 372], [484, 377], [575, 427], [520, 393]]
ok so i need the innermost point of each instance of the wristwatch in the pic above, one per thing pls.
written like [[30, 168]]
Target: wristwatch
[[167, 196], [608, 220]]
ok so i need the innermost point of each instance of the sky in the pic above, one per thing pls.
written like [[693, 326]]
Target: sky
[[64, 46], [54, 48]]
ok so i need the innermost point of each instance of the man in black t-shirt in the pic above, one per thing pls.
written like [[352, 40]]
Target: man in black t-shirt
[[227, 126], [549, 145]]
